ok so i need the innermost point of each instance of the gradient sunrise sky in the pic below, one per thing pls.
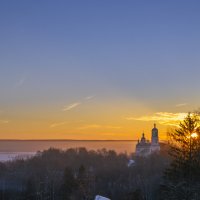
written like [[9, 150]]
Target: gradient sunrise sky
[[97, 69]]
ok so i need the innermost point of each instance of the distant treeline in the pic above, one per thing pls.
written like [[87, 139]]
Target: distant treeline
[[79, 174]]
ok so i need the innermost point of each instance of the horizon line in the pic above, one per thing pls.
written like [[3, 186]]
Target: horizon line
[[67, 140], [62, 140]]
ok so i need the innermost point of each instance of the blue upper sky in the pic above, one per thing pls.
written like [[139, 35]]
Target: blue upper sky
[[53, 52]]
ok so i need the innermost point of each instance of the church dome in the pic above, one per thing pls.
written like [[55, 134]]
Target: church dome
[[154, 129]]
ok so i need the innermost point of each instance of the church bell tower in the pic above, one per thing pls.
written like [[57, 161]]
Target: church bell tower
[[154, 135], [155, 146]]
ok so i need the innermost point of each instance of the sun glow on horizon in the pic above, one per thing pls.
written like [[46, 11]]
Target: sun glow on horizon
[[90, 120]]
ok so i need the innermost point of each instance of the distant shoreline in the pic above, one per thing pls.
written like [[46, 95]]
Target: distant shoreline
[[62, 140]]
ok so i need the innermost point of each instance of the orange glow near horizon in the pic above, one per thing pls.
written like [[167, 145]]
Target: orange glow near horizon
[[90, 121]]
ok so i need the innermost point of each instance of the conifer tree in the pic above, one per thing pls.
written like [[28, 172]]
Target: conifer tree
[[182, 178]]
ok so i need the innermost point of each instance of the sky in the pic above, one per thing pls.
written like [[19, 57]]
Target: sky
[[97, 69]]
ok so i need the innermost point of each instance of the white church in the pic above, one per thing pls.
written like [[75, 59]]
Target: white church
[[144, 147]]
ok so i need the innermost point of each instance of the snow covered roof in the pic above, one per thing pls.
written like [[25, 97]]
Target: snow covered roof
[[131, 163], [98, 197]]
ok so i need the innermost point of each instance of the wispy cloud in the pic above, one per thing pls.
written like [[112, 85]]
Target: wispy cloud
[[57, 124], [90, 126], [4, 121], [78, 103], [181, 104], [89, 97], [113, 127], [164, 118], [96, 126], [71, 106]]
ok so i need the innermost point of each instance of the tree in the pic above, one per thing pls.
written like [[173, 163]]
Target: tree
[[30, 191], [69, 183], [182, 178]]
